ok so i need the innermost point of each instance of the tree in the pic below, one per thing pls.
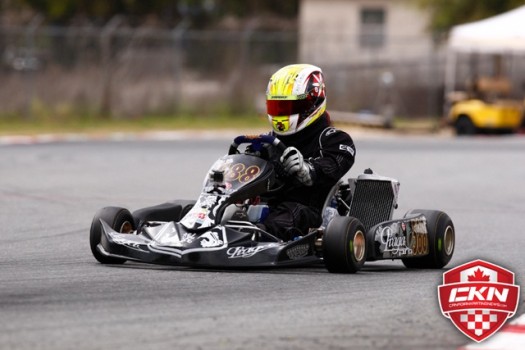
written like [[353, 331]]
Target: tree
[[447, 13], [170, 12]]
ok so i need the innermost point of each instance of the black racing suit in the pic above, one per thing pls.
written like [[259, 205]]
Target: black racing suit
[[297, 208]]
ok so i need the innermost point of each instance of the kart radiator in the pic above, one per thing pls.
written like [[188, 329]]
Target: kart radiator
[[374, 199]]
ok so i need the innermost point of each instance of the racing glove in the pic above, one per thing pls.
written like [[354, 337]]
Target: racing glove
[[294, 164]]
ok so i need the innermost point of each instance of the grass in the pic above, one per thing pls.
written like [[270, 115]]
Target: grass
[[61, 123], [418, 124], [19, 126]]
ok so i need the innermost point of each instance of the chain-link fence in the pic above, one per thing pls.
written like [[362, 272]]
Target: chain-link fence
[[132, 72], [124, 73]]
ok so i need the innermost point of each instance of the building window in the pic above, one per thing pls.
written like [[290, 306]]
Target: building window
[[372, 34]]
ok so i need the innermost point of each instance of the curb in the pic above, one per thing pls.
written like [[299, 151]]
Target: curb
[[182, 135], [117, 137]]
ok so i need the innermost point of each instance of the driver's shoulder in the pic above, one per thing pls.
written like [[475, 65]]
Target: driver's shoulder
[[331, 135]]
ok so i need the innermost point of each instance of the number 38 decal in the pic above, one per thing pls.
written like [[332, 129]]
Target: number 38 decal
[[240, 173]]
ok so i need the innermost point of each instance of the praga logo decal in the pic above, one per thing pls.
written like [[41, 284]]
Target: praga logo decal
[[478, 297], [403, 238], [247, 252]]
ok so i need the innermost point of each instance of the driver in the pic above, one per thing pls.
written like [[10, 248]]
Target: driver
[[318, 155]]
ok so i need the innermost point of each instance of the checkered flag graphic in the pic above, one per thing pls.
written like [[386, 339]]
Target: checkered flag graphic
[[479, 321]]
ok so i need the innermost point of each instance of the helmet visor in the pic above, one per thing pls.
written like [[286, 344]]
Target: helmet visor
[[287, 107]]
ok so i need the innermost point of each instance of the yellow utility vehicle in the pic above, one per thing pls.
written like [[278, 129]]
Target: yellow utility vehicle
[[482, 111]]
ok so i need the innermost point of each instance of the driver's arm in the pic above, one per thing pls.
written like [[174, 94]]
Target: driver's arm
[[336, 156]]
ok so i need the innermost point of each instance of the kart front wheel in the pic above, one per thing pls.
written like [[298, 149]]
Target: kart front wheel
[[465, 126], [441, 241], [344, 245], [169, 211], [120, 220]]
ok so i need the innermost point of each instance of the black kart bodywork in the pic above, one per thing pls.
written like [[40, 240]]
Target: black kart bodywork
[[220, 229]]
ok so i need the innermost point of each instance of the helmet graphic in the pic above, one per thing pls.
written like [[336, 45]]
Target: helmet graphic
[[295, 98]]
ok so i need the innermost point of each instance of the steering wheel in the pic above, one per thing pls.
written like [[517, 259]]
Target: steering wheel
[[257, 142]]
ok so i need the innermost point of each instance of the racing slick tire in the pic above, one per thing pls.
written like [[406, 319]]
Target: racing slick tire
[[441, 241], [170, 211], [120, 220], [344, 245]]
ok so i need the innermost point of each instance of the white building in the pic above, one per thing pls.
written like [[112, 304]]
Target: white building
[[377, 55], [362, 31]]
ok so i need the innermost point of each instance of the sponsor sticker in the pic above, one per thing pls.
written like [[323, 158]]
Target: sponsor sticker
[[188, 238], [281, 124], [347, 149], [417, 236], [211, 239], [478, 297]]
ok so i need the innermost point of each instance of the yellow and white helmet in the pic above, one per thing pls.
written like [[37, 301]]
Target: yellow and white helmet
[[295, 98]]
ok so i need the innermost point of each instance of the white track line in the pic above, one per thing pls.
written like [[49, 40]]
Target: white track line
[[510, 337]]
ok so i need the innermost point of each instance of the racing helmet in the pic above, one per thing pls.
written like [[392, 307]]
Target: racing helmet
[[295, 98]]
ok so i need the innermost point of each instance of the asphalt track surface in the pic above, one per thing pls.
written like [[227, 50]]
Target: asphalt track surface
[[54, 295]]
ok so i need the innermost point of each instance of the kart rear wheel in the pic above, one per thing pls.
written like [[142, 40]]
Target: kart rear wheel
[[120, 220], [441, 241], [344, 245]]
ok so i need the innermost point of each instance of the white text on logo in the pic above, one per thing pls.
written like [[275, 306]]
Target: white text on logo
[[476, 293]]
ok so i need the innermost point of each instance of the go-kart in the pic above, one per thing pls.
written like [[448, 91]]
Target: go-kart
[[220, 229]]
